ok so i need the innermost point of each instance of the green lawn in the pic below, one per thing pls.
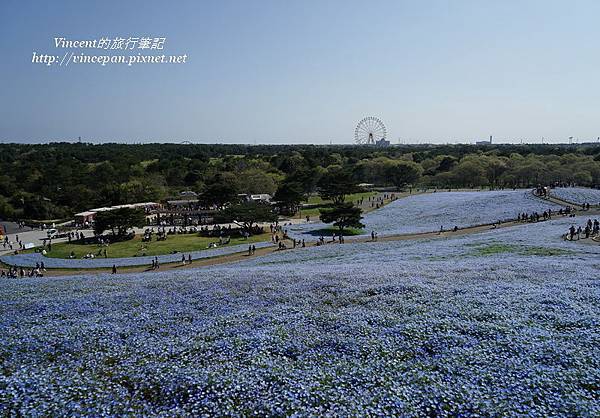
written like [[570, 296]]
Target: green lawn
[[312, 212], [316, 200], [135, 246]]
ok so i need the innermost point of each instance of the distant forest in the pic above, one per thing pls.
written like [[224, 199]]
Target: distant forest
[[53, 181]]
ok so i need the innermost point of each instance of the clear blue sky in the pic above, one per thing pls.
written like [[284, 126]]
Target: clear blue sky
[[307, 71]]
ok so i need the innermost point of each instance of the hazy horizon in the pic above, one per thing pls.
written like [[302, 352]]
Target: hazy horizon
[[268, 72], [275, 143]]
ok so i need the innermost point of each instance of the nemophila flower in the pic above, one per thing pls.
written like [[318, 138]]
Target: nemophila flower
[[409, 328], [578, 195], [430, 211], [30, 259]]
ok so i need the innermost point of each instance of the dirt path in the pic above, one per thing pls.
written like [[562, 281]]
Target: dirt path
[[558, 201], [260, 252]]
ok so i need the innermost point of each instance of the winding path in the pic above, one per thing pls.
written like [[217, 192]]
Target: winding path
[[240, 256]]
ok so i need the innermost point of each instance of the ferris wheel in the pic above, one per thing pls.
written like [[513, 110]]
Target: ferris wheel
[[369, 130]]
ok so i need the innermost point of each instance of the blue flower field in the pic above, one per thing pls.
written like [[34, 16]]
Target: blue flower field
[[503, 323]]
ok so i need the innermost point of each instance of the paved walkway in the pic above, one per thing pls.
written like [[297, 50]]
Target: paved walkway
[[11, 227]]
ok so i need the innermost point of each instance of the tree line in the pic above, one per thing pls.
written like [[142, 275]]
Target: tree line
[[53, 181]]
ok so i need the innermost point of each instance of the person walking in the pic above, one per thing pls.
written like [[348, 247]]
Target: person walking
[[571, 232], [114, 269]]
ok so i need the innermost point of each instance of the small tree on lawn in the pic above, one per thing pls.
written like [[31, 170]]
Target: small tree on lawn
[[118, 221], [247, 214], [342, 215]]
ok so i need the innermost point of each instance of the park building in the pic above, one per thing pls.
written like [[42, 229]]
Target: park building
[[185, 209], [261, 197], [183, 204], [87, 217], [188, 194]]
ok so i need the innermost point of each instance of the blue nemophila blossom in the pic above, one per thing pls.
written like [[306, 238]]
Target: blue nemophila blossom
[[31, 259], [578, 195], [428, 212], [412, 328], [534, 239]]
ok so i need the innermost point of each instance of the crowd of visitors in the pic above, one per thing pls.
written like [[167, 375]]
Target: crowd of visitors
[[590, 230], [20, 272], [377, 201]]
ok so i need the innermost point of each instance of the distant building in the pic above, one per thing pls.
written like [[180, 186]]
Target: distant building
[[182, 203], [188, 193], [262, 197], [85, 217], [484, 142], [383, 143], [90, 215]]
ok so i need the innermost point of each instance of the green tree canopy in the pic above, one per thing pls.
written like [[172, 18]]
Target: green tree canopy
[[222, 190], [289, 196], [247, 214], [342, 215], [336, 183], [118, 221], [255, 181], [402, 173]]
